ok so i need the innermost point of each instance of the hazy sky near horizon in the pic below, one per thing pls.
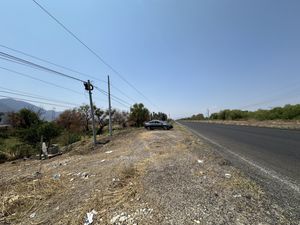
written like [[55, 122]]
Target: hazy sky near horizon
[[186, 56]]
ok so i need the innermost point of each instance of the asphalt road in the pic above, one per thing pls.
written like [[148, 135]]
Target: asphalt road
[[275, 152]]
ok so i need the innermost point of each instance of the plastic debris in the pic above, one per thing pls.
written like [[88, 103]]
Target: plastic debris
[[200, 161], [108, 152], [103, 160], [228, 175], [89, 218], [123, 219], [32, 215], [197, 221], [114, 219]]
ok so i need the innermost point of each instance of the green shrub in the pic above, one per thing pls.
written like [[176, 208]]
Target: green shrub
[[67, 138], [288, 112], [22, 150]]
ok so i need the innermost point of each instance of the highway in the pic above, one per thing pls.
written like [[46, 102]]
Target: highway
[[274, 153]]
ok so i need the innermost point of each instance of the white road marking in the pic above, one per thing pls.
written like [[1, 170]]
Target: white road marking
[[270, 173]]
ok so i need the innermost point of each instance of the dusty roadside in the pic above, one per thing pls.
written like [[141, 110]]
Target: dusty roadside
[[140, 177], [295, 124]]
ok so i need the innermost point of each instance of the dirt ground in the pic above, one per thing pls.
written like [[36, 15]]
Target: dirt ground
[[294, 124], [139, 177]]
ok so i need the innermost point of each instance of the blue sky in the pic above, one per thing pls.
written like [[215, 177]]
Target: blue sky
[[186, 56]]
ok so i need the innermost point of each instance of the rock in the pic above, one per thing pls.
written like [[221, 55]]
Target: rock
[[56, 176]]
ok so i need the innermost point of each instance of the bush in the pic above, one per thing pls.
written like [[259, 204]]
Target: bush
[[30, 135], [139, 114], [68, 138], [288, 112], [49, 131], [22, 150]]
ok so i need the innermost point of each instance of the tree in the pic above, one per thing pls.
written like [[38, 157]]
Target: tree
[[86, 113], [101, 119], [120, 117], [25, 118], [49, 130], [139, 114], [71, 120], [159, 116]]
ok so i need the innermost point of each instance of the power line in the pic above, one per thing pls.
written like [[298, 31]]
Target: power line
[[92, 51], [54, 64], [24, 94], [40, 80], [22, 99], [289, 94], [66, 68], [113, 96], [14, 58], [123, 93]]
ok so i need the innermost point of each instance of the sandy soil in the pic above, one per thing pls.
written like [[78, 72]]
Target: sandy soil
[[139, 177]]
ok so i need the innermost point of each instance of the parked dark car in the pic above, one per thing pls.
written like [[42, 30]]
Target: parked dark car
[[157, 124]]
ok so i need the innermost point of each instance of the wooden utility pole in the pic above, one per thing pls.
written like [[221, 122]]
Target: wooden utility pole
[[89, 87], [109, 107]]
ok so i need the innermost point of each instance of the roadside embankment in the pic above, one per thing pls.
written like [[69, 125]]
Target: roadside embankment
[[291, 124], [139, 177]]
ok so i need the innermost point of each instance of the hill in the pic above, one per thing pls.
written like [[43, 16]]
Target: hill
[[12, 105]]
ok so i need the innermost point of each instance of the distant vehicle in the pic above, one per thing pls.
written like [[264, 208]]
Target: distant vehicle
[[157, 124]]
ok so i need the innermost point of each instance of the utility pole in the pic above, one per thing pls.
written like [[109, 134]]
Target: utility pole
[[89, 87], [207, 113], [109, 107]]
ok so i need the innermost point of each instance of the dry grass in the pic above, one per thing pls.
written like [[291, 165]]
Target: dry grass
[[116, 181], [20, 196]]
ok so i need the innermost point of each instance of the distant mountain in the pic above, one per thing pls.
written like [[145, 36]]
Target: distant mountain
[[11, 105]]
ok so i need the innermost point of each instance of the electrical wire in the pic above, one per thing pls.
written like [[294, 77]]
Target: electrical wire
[[40, 80], [27, 100], [92, 51], [127, 105], [51, 63], [289, 95], [112, 96], [24, 94], [14, 58], [66, 68]]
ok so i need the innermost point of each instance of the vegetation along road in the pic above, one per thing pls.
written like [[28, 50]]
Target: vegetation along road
[[270, 155]]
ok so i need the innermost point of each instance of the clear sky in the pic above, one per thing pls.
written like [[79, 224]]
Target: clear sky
[[186, 56]]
